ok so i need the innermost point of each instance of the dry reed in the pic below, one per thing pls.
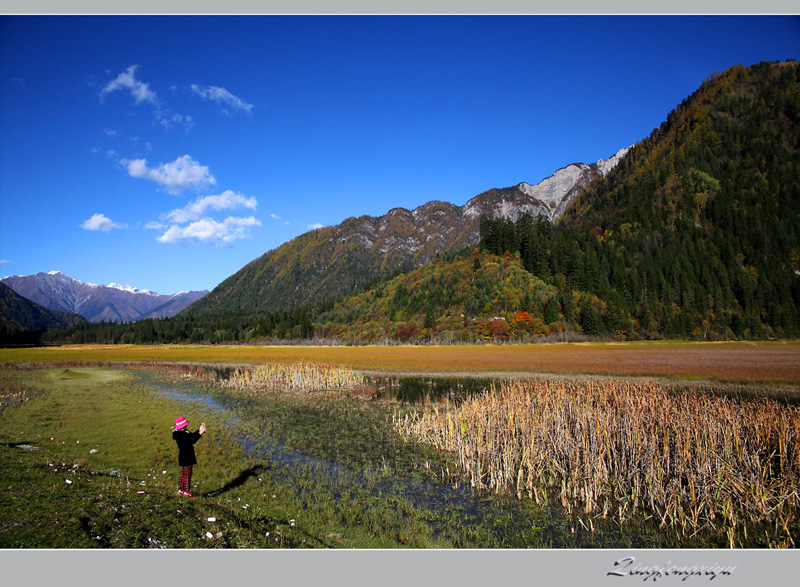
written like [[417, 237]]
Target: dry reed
[[609, 448], [301, 376], [12, 390]]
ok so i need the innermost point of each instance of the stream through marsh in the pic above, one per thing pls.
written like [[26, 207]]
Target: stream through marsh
[[335, 446]]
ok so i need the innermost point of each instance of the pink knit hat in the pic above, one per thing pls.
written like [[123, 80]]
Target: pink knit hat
[[181, 423]]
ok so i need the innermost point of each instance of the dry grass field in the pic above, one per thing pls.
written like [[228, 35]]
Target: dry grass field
[[750, 362]]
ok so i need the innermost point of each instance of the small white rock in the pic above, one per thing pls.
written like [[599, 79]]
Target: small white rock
[[209, 535], [93, 451], [68, 481], [212, 519]]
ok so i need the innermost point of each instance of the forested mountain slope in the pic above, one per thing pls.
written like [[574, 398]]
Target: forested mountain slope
[[340, 260], [697, 232]]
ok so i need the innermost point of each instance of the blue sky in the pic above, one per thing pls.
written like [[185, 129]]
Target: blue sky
[[168, 152]]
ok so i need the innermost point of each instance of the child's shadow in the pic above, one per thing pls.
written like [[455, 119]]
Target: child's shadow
[[240, 480]]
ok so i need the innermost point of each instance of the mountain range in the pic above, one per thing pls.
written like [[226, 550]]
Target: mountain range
[[98, 303], [692, 233], [23, 321], [338, 260]]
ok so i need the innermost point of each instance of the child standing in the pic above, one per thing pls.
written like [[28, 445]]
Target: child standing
[[186, 457]]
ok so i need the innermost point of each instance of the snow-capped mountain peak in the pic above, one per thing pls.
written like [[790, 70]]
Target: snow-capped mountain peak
[[113, 302], [131, 289]]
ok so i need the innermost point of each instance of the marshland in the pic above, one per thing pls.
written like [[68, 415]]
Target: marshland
[[321, 454]]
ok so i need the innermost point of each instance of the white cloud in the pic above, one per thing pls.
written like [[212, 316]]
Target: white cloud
[[140, 91], [274, 216], [227, 200], [192, 222], [315, 226], [101, 222], [208, 230], [182, 173], [221, 96], [6, 262]]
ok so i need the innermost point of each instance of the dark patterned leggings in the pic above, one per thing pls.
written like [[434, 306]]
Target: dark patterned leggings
[[186, 479]]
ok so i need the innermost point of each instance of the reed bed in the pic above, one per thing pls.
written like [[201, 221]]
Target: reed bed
[[610, 448], [13, 395], [300, 377], [14, 390]]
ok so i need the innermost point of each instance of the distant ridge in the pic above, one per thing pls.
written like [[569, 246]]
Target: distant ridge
[[22, 321], [97, 303]]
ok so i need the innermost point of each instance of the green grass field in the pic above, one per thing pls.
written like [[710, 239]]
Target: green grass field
[[89, 462]]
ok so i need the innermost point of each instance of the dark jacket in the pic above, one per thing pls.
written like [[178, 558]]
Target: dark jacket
[[186, 440]]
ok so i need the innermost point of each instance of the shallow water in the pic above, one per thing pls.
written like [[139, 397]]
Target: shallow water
[[420, 390]]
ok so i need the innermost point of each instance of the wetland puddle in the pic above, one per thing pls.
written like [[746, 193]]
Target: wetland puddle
[[346, 447]]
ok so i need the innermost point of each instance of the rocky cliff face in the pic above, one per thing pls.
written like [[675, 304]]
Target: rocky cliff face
[[96, 303], [337, 260], [418, 235]]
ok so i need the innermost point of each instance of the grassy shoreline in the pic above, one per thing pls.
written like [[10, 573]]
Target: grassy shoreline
[[89, 462]]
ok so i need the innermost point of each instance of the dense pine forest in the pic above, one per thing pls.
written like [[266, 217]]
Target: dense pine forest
[[697, 232], [694, 235]]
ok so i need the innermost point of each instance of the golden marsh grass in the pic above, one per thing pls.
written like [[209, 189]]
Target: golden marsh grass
[[763, 362], [302, 376], [613, 448]]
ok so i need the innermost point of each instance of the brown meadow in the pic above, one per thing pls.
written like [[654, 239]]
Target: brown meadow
[[763, 362]]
